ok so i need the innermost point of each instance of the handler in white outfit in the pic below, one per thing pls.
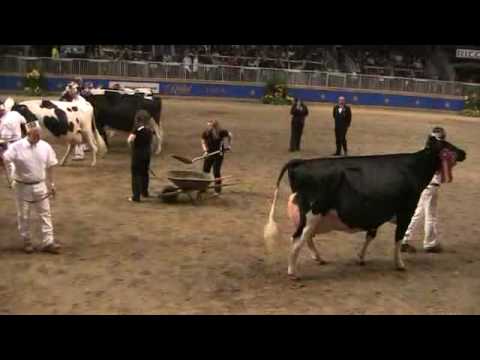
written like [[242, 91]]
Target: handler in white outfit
[[33, 182], [10, 129], [427, 207]]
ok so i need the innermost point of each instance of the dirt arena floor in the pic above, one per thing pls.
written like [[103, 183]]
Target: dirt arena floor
[[155, 258]]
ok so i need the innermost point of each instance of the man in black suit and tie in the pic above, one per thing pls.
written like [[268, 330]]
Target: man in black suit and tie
[[343, 118]]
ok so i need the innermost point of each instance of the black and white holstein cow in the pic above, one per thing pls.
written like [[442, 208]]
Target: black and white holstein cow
[[356, 194], [116, 110], [70, 124]]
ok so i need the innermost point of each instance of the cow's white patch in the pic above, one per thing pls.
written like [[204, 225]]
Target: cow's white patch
[[312, 222], [97, 91], [398, 256], [330, 222]]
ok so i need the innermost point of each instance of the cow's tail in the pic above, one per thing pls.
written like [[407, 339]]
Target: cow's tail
[[158, 124], [102, 147], [270, 231]]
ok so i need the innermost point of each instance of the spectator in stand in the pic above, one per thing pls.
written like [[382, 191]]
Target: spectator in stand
[[167, 58], [195, 66], [55, 52], [187, 63]]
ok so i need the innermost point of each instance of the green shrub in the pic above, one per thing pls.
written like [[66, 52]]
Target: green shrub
[[276, 91], [33, 83]]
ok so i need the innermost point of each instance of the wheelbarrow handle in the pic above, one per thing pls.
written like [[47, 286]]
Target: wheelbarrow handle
[[206, 156], [223, 185]]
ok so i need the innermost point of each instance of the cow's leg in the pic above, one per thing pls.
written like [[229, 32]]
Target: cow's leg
[[103, 134], [307, 234], [403, 220], [88, 137], [67, 154], [368, 239], [315, 254]]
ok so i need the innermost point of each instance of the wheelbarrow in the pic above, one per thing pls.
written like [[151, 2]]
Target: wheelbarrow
[[188, 182]]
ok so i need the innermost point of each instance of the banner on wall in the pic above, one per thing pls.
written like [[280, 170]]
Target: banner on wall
[[468, 54], [135, 85]]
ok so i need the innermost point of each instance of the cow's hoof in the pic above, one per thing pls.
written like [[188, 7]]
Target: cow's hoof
[[401, 268], [361, 262], [320, 261], [293, 277]]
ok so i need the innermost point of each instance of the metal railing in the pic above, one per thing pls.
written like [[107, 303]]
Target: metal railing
[[176, 71]]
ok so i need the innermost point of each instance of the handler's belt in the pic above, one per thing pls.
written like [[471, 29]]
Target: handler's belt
[[28, 183]]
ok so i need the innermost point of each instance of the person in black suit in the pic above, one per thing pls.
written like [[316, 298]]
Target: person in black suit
[[140, 141], [299, 112], [342, 115]]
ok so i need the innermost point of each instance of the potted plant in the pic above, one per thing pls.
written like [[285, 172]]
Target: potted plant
[[33, 83]]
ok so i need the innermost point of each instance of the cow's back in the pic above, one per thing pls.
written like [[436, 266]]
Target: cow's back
[[118, 110], [364, 191]]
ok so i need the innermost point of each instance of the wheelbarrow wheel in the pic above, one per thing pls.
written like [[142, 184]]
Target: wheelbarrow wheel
[[169, 198]]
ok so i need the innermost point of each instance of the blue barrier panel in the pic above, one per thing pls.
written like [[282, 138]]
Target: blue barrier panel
[[218, 90], [378, 99], [15, 82], [11, 82]]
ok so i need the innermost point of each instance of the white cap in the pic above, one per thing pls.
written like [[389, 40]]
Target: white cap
[[33, 125]]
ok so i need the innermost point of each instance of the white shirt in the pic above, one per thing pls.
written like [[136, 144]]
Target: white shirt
[[187, 61], [10, 129], [30, 161], [195, 64]]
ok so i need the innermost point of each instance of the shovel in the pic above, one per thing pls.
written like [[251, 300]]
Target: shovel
[[191, 161]]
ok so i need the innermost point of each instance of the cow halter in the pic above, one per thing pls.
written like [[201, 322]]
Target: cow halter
[[448, 160]]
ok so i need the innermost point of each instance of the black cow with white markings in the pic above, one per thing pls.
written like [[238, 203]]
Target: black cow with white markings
[[117, 110], [358, 194]]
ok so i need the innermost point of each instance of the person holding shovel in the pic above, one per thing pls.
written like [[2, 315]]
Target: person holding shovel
[[214, 138]]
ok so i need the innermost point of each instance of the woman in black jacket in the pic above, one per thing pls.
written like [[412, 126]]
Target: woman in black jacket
[[214, 138], [140, 141], [299, 112]]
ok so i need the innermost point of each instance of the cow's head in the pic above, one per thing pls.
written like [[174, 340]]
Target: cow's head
[[445, 154], [25, 112], [71, 91]]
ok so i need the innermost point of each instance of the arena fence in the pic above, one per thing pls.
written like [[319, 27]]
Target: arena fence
[[176, 71]]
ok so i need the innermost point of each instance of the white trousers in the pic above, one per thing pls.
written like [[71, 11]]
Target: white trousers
[[427, 206], [10, 170], [32, 193]]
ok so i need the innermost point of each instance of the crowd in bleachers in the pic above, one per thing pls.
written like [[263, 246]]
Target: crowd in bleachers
[[407, 61], [378, 60]]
